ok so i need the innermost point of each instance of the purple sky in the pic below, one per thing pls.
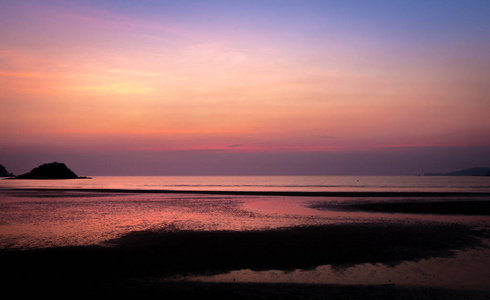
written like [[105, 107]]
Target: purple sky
[[245, 87]]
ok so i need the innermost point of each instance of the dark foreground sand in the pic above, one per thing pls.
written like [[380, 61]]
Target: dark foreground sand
[[135, 264], [199, 290]]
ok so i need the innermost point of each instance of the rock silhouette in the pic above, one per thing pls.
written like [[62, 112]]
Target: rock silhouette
[[4, 172], [467, 172], [53, 170]]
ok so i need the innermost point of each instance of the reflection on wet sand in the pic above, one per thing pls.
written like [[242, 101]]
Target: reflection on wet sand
[[155, 243], [170, 253]]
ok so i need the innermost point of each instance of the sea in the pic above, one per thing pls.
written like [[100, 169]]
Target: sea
[[268, 183], [44, 214]]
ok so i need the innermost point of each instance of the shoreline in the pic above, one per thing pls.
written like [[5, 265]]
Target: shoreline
[[263, 193]]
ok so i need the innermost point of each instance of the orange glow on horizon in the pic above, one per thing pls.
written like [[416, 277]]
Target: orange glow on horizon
[[88, 76]]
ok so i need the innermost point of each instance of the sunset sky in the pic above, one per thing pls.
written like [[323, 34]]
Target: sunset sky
[[245, 87]]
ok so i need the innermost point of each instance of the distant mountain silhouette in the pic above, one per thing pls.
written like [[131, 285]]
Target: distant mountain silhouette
[[4, 172], [53, 170], [466, 172]]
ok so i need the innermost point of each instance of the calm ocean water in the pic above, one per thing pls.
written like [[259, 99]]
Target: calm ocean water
[[267, 183]]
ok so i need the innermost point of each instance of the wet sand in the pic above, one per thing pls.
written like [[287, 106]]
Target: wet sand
[[147, 262], [138, 261], [453, 207]]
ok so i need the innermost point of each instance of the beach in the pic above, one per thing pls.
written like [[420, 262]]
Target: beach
[[245, 149], [246, 244]]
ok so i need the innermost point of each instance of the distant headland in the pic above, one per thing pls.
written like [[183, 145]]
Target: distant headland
[[53, 170], [465, 172], [4, 172]]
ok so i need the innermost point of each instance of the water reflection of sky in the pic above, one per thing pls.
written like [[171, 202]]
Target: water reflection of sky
[[467, 270], [267, 183], [39, 219]]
